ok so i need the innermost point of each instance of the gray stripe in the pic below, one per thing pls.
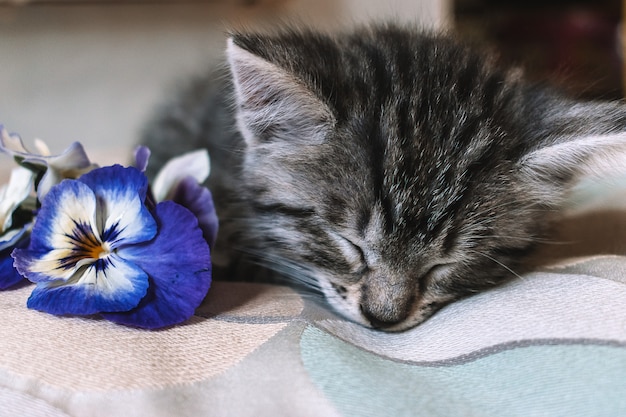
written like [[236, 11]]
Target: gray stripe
[[492, 350], [249, 319]]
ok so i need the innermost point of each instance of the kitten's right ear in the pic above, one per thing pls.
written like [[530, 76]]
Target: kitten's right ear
[[273, 105], [553, 169]]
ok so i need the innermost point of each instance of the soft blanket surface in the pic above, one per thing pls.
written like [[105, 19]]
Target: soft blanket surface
[[550, 343]]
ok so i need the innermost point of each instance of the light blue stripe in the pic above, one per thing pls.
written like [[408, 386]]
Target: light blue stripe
[[552, 380]]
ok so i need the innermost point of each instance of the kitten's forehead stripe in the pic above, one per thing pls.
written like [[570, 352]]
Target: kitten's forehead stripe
[[363, 219]]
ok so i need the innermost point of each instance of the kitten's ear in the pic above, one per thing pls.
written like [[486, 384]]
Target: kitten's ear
[[555, 168], [272, 103]]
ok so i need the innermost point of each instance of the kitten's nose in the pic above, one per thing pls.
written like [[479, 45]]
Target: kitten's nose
[[386, 299], [384, 318]]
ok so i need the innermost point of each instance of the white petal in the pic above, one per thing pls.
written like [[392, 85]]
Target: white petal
[[11, 143], [50, 265], [193, 164], [123, 214], [49, 180], [78, 208], [114, 279], [19, 187], [42, 147], [72, 163]]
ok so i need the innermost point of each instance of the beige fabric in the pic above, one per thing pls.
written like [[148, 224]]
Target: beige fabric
[[98, 355]]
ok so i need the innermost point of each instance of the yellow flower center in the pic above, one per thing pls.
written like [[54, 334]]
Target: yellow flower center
[[94, 250]]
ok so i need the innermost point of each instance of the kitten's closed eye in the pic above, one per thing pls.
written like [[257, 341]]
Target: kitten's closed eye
[[436, 276], [353, 253], [439, 271]]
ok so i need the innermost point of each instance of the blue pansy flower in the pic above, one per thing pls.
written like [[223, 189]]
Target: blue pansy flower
[[96, 248]]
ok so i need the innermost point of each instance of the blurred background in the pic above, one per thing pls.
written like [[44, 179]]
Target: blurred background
[[93, 70]]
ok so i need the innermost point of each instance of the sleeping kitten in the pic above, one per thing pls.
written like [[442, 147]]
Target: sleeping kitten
[[395, 170]]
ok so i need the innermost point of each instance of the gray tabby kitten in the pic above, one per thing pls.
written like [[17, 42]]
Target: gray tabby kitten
[[394, 170]]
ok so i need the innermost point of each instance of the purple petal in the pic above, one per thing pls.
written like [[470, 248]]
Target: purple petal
[[8, 274], [109, 180], [199, 201], [142, 156], [178, 263], [111, 284]]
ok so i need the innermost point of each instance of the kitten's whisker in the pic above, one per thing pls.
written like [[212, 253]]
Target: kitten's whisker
[[496, 261], [288, 272], [526, 208], [519, 238], [522, 207]]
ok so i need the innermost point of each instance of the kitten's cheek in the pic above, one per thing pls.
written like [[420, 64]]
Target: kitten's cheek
[[344, 301]]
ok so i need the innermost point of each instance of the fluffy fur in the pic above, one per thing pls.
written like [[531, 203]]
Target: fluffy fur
[[394, 170]]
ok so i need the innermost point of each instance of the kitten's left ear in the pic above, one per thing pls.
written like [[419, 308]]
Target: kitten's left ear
[[273, 104], [555, 168]]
